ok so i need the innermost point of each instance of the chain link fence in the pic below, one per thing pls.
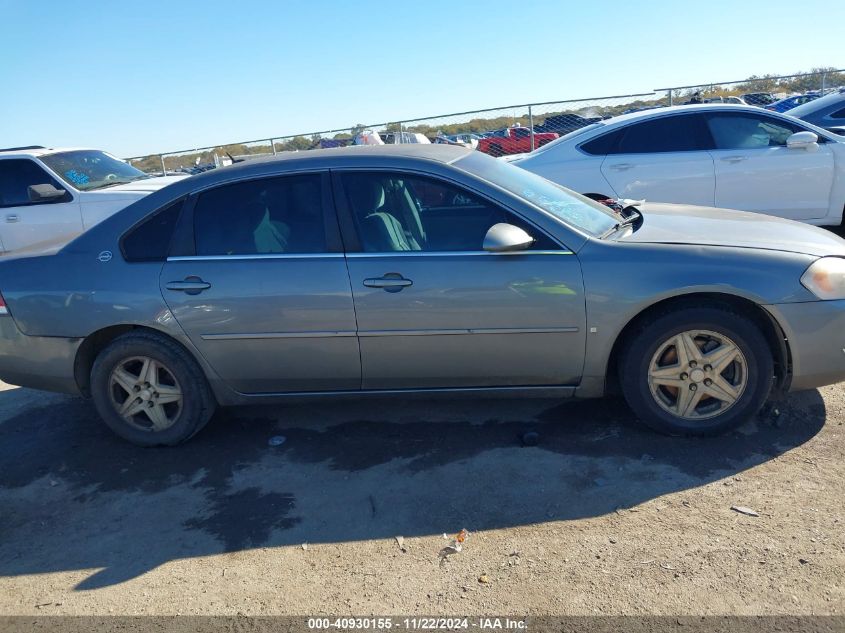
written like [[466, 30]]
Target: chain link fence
[[759, 91], [504, 130]]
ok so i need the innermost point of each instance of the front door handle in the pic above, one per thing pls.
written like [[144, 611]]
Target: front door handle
[[621, 166], [190, 285], [734, 159], [12, 217], [391, 282]]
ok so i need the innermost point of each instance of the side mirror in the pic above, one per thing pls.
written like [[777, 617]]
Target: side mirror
[[803, 140], [44, 193], [505, 238]]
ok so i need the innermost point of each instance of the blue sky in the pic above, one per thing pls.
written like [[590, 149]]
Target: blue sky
[[154, 75]]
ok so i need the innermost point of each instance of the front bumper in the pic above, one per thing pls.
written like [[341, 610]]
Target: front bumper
[[39, 362], [815, 332]]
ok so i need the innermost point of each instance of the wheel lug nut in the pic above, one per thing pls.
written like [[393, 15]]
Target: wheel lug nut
[[136, 388], [708, 368], [708, 382], [684, 376], [693, 364], [692, 387]]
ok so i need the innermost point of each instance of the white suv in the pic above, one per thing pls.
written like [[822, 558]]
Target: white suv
[[49, 195]]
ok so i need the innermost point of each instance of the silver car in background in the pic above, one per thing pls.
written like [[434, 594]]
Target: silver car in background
[[420, 270]]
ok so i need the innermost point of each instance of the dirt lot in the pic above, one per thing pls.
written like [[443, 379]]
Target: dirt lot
[[600, 517]]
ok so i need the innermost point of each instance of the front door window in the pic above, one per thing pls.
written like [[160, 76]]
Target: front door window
[[396, 212]]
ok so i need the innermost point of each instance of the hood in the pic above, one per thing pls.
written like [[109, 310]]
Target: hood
[[684, 224], [131, 190], [147, 185]]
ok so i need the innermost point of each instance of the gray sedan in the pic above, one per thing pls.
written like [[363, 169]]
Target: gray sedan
[[420, 270]]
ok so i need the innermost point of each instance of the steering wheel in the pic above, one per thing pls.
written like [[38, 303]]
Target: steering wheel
[[110, 177]]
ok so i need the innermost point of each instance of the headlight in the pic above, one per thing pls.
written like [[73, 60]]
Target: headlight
[[825, 278]]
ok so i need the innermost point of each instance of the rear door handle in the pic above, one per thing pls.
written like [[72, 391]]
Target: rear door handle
[[391, 282], [734, 159], [621, 166], [190, 285], [12, 218]]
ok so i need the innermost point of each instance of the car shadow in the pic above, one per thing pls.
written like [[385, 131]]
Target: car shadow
[[75, 497]]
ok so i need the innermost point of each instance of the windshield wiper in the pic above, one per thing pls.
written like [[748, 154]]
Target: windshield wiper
[[112, 183], [635, 215]]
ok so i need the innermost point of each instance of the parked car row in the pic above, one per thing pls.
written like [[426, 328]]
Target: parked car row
[[513, 140]]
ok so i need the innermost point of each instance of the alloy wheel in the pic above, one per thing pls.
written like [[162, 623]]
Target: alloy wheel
[[697, 374], [145, 393]]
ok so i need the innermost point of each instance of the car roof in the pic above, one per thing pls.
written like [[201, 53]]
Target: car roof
[[38, 150], [433, 152], [623, 119], [363, 156], [702, 107]]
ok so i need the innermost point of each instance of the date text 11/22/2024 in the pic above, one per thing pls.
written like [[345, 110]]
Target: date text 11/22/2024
[[417, 623]]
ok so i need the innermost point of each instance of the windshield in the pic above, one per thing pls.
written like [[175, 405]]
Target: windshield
[[568, 206], [816, 104], [566, 137], [89, 169]]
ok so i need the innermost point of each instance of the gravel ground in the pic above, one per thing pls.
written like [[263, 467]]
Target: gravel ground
[[600, 516]]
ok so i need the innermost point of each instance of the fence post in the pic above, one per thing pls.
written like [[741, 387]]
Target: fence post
[[824, 81], [273, 145], [163, 168], [671, 99], [531, 126]]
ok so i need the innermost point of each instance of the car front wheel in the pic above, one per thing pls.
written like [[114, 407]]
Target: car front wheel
[[697, 371], [150, 391]]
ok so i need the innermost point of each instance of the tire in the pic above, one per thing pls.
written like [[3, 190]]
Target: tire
[[698, 397], [176, 396]]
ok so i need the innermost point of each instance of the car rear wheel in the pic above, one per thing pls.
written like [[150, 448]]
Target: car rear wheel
[[150, 391], [696, 371]]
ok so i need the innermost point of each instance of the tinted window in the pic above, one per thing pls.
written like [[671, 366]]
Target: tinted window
[[602, 145], [748, 131], [150, 240], [395, 212], [681, 133], [839, 114], [16, 175], [272, 215]]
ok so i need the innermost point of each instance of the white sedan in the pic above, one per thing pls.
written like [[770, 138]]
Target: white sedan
[[734, 157]]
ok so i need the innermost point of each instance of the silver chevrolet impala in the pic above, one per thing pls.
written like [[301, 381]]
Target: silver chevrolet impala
[[412, 270]]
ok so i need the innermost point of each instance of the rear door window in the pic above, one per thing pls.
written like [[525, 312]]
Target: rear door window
[[604, 144], [150, 240], [261, 217], [678, 133]]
